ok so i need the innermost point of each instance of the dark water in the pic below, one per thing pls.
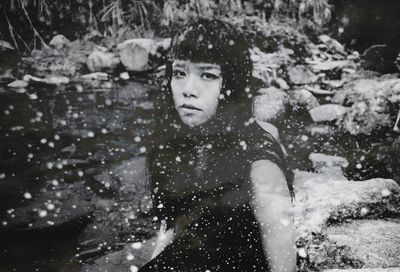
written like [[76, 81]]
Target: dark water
[[61, 135]]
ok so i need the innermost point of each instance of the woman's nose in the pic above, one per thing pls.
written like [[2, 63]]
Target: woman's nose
[[191, 87]]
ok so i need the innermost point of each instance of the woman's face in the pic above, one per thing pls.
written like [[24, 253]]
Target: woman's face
[[195, 88]]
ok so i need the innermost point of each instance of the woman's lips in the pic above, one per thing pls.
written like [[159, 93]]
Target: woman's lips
[[190, 107]]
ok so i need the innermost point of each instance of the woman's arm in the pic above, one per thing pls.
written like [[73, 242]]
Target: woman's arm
[[164, 238], [273, 210]]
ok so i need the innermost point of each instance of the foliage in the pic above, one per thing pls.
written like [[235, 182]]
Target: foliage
[[32, 22], [319, 11]]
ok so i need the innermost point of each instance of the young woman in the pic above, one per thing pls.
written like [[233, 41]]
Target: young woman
[[220, 185]]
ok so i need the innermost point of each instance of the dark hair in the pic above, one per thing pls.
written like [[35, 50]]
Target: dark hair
[[217, 42]]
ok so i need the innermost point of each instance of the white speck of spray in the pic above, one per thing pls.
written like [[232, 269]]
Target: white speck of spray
[[49, 165], [56, 137], [160, 206], [80, 173], [130, 257], [142, 149], [54, 182], [2, 175], [90, 134], [33, 96], [42, 213], [304, 138], [137, 139], [50, 206], [27, 195], [358, 166], [178, 159], [43, 141], [133, 268], [104, 131], [243, 144]]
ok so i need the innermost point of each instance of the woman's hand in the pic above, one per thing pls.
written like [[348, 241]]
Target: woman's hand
[[164, 238], [273, 210]]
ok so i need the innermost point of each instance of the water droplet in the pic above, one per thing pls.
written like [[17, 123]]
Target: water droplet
[[27, 195]]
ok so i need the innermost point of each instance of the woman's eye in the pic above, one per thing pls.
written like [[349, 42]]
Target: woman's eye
[[209, 76], [179, 74]]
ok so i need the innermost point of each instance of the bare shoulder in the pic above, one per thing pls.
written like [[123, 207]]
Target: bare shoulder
[[267, 176]]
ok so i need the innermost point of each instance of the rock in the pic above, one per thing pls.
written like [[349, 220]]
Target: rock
[[360, 235], [56, 80], [52, 79], [54, 205], [330, 65], [265, 64], [380, 58], [99, 61], [302, 99], [270, 104], [300, 75], [332, 44], [124, 76], [59, 41], [320, 129], [18, 84], [134, 53], [370, 103], [327, 112], [322, 198], [328, 164], [96, 76], [133, 256], [128, 180]]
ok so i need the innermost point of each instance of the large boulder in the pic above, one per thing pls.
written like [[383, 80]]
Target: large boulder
[[134, 53], [55, 205], [270, 104], [301, 74], [323, 199], [360, 235], [370, 104], [121, 217], [327, 112], [302, 99], [380, 58], [101, 60]]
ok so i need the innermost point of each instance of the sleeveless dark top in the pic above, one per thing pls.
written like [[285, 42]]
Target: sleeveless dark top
[[204, 182]]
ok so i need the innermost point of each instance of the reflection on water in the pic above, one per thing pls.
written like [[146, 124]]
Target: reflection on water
[[61, 135]]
